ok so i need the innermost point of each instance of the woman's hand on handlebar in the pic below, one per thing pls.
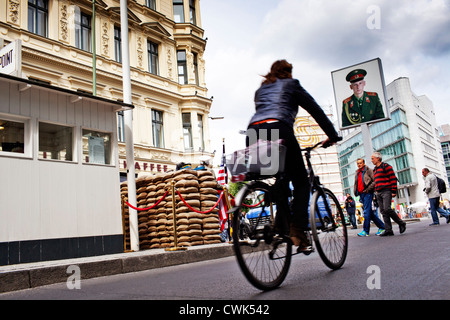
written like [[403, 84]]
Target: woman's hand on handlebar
[[329, 142]]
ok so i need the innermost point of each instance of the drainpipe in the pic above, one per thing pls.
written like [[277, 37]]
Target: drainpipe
[[94, 55]]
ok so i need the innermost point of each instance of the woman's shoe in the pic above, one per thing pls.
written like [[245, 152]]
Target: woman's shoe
[[300, 239]]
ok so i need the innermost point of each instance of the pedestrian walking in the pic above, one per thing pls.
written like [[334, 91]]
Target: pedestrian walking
[[385, 190], [364, 187], [350, 207], [432, 191]]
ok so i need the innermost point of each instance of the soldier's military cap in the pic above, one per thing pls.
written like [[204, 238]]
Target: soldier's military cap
[[356, 75]]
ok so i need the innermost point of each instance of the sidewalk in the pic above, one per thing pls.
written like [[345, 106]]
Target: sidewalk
[[30, 275]]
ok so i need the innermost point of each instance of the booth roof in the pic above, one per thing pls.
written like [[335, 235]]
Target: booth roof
[[122, 106]]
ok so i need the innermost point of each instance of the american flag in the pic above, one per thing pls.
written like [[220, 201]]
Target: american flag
[[221, 177], [223, 208]]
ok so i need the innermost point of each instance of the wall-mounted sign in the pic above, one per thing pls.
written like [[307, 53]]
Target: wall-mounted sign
[[11, 59]]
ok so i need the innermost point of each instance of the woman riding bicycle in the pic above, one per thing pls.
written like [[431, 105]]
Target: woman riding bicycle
[[277, 102]]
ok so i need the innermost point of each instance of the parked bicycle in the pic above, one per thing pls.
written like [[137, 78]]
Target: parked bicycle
[[264, 253]]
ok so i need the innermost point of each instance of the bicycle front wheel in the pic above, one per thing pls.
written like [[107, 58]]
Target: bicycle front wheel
[[328, 228], [264, 256]]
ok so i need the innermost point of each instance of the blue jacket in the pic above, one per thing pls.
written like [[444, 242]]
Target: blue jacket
[[280, 100]]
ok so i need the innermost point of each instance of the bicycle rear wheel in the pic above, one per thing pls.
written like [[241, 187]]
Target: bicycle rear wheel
[[263, 255], [328, 228]]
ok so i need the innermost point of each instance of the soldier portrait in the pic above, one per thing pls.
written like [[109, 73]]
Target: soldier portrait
[[359, 104]]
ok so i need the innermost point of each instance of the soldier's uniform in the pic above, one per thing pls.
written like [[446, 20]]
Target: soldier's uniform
[[367, 108]]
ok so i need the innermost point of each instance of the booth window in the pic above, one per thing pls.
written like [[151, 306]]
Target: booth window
[[96, 147], [55, 142], [12, 136]]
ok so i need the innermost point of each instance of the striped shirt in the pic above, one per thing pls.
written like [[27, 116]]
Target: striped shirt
[[385, 178]]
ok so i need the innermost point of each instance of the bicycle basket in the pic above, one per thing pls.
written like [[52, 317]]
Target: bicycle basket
[[262, 159]]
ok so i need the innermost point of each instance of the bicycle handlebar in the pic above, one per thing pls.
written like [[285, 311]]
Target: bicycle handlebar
[[329, 144]]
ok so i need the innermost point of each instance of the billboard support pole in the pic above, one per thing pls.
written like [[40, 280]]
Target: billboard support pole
[[367, 141]]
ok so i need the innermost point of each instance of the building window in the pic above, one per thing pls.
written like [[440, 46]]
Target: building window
[[152, 49], [187, 131], [12, 136], [178, 11], [200, 131], [182, 67], [151, 4], [38, 17], [192, 11], [82, 30], [96, 147], [118, 44], [55, 142], [196, 69], [158, 129], [120, 127]]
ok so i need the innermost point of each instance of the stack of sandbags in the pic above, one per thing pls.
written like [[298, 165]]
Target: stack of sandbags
[[152, 213], [126, 214], [141, 202], [159, 236], [209, 196], [189, 227], [200, 191]]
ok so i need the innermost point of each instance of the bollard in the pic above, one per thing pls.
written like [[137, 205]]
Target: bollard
[[175, 240]]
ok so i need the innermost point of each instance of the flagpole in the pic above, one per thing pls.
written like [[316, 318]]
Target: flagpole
[[224, 160], [128, 122]]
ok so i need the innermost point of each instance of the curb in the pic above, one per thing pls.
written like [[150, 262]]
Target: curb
[[28, 276]]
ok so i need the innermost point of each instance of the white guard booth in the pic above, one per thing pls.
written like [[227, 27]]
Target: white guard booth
[[59, 173]]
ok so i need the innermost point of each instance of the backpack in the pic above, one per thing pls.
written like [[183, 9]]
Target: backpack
[[441, 185]]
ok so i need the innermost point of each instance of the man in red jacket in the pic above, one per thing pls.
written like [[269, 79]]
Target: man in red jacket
[[385, 190]]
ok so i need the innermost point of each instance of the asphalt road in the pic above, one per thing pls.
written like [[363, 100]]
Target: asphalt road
[[414, 265]]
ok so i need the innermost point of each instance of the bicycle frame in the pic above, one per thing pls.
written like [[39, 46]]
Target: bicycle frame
[[316, 186]]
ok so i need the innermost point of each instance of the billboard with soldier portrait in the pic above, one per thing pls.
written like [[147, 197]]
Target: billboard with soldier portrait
[[360, 94]]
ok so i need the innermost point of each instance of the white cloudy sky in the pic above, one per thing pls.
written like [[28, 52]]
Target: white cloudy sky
[[318, 37]]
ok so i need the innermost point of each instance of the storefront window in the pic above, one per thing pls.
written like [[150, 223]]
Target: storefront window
[[96, 147], [12, 136], [55, 142]]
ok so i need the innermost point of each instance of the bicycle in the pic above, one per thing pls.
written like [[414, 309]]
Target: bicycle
[[264, 252]]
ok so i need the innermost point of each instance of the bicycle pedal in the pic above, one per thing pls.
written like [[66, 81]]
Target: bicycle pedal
[[305, 250]]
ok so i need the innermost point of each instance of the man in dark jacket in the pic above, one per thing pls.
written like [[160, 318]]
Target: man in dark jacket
[[350, 207], [276, 103], [364, 188]]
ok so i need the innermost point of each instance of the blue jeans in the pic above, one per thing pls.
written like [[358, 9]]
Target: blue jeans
[[366, 199], [434, 207]]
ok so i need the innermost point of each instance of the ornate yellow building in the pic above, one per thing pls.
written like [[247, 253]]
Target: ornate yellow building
[[170, 119]]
